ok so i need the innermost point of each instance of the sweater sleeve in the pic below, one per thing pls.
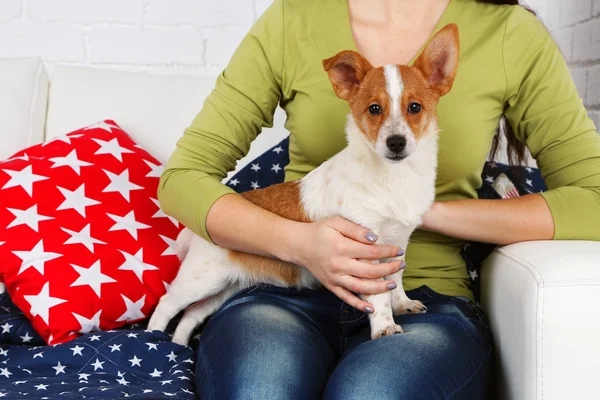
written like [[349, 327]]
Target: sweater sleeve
[[547, 113], [243, 101]]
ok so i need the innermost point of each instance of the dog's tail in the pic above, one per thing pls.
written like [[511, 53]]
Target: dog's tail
[[182, 244]]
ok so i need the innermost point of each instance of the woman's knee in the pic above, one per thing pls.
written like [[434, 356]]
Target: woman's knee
[[256, 348]]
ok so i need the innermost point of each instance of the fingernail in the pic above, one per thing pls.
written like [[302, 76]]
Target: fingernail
[[368, 309], [371, 237], [403, 265], [400, 253], [392, 285]]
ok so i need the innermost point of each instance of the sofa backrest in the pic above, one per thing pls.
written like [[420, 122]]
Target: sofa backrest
[[23, 100]]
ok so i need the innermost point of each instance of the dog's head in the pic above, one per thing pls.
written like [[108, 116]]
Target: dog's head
[[394, 106]]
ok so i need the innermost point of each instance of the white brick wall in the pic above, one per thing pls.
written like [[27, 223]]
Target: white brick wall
[[199, 36], [575, 25]]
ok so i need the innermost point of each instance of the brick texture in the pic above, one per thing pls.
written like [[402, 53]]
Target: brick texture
[[85, 11], [9, 9]]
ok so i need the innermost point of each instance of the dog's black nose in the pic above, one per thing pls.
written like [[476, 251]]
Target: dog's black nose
[[396, 143]]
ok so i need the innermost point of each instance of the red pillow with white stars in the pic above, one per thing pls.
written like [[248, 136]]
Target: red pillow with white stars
[[84, 245]]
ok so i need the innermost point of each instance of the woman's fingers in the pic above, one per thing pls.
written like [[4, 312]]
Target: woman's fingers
[[366, 270], [352, 300], [366, 286]]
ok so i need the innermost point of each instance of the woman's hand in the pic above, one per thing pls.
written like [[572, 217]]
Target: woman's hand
[[332, 250]]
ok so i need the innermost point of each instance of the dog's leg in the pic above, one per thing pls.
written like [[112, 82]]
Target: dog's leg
[[382, 319], [198, 312], [193, 283], [401, 304]]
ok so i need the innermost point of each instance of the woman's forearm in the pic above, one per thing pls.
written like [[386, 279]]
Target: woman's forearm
[[492, 221], [235, 223]]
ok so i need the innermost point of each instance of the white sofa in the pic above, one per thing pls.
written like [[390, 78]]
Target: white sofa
[[540, 297]]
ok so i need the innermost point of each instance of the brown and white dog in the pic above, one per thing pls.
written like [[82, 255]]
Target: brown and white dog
[[383, 180]]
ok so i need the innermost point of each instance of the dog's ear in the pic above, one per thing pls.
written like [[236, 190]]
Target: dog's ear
[[439, 60], [346, 71]]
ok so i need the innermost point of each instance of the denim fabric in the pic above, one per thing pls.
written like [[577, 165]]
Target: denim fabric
[[274, 343]]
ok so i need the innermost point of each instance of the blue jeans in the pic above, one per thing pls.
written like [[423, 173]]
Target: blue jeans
[[284, 344]]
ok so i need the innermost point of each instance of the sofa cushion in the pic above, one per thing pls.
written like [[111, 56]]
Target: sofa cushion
[[23, 99], [83, 243]]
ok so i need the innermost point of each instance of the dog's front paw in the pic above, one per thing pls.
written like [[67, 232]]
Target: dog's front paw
[[387, 331], [409, 307]]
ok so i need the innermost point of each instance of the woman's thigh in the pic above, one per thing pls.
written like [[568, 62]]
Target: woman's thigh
[[268, 344], [443, 354]]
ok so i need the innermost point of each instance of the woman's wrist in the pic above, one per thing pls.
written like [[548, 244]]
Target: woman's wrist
[[433, 216], [289, 237]]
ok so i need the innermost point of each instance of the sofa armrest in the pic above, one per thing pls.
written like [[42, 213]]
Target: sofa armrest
[[542, 302]]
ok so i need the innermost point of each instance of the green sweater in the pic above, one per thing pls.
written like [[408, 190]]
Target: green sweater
[[508, 64]]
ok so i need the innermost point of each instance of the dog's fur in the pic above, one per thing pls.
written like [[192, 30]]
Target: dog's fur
[[367, 183]]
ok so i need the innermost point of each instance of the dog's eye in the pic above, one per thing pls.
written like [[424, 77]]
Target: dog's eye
[[414, 108], [375, 109]]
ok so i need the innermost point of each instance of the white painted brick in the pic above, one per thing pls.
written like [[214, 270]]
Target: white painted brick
[[564, 39], [586, 41], [573, 11], [202, 13], [221, 43], [146, 46], [86, 11], [260, 6], [580, 78], [593, 86], [19, 39], [596, 10], [595, 116], [9, 9]]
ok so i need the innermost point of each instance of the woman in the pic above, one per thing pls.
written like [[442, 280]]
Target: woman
[[270, 343]]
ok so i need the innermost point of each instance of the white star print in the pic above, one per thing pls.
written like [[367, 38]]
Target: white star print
[[278, 149], [528, 169], [122, 381], [62, 138], [40, 355], [88, 325], [161, 214], [156, 373], [77, 350], [187, 391], [3, 352], [24, 178], [71, 161], [41, 386], [29, 217], [127, 223], [35, 258], [98, 364], [136, 264], [183, 378], [151, 346], [276, 168], [26, 338], [41, 303], [254, 185], [147, 391], [115, 347], [255, 167], [102, 125], [19, 382], [234, 182], [473, 274], [170, 251], [6, 327], [134, 310], [76, 200], [82, 237], [171, 356], [5, 372], [111, 147], [155, 170], [120, 184], [92, 277], [84, 376], [169, 394], [489, 179], [60, 369], [132, 335], [165, 382], [529, 182], [93, 338], [189, 361], [135, 361]]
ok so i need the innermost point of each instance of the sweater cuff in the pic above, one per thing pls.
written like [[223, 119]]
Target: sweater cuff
[[574, 211]]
